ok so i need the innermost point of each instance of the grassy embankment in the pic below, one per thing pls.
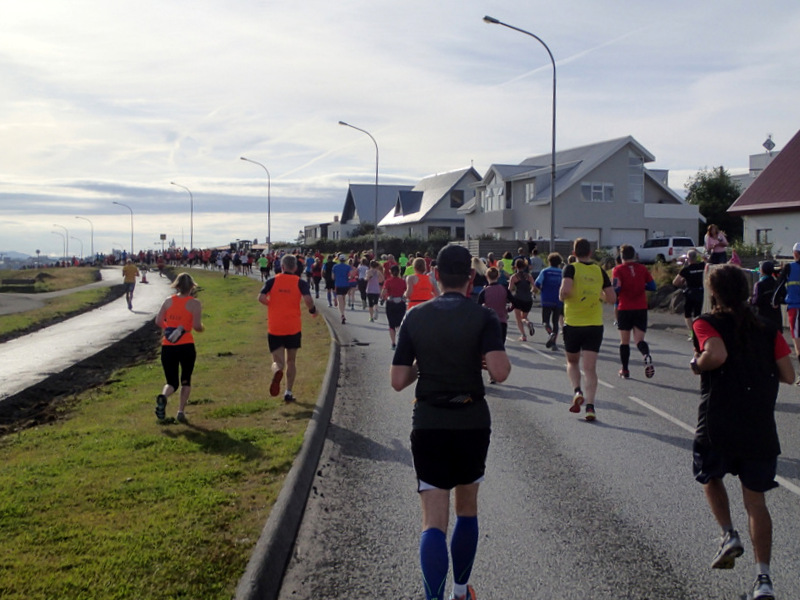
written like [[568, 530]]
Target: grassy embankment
[[109, 504]]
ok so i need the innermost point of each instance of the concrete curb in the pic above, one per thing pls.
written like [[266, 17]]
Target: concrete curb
[[262, 578]]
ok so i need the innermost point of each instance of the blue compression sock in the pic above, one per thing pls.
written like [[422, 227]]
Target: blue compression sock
[[434, 561], [463, 547]]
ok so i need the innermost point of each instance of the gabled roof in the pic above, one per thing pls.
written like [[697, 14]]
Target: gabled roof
[[360, 201], [425, 196], [777, 187], [572, 166]]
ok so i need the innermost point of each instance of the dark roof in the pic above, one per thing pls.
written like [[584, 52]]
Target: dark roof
[[360, 201], [777, 187]]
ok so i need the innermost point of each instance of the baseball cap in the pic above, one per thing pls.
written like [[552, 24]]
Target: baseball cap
[[454, 260], [342, 257], [796, 247]]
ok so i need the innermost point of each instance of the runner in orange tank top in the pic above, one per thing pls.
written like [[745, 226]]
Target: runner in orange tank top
[[420, 287]]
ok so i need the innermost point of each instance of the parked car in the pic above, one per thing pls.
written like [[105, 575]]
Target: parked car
[[665, 249]]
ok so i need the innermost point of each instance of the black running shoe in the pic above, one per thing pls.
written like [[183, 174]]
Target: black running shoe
[[161, 407]]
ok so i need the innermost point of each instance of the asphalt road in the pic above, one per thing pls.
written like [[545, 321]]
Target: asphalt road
[[569, 509]]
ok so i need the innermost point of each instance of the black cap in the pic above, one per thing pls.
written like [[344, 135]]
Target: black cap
[[454, 260]]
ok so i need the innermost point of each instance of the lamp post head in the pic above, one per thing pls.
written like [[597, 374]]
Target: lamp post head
[[489, 19], [172, 183], [343, 123]]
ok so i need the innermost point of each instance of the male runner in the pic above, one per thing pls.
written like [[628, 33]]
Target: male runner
[[129, 275], [631, 280], [690, 278], [583, 289], [341, 280], [282, 295], [549, 283], [789, 284], [441, 347]]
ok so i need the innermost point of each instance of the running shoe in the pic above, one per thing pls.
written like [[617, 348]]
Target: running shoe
[[551, 340], [181, 417], [161, 407], [590, 414], [530, 329], [288, 398], [522, 339], [470, 595], [624, 374], [762, 588], [394, 346], [547, 328], [649, 369], [275, 386], [554, 348], [577, 400], [730, 548]]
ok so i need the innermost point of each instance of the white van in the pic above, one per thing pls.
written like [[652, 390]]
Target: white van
[[664, 249]]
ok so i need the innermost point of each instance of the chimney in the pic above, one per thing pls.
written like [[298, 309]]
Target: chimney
[[335, 218]]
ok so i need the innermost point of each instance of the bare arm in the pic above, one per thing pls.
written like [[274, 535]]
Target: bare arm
[[785, 369], [403, 376], [162, 312], [609, 295], [312, 308], [197, 314], [678, 281], [565, 290], [713, 355], [498, 365], [264, 299]]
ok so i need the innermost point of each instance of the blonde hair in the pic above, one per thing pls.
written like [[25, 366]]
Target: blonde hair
[[184, 284]]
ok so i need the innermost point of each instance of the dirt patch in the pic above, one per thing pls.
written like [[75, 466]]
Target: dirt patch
[[51, 399]]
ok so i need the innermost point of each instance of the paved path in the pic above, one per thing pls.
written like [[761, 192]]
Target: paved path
[[30, 359]]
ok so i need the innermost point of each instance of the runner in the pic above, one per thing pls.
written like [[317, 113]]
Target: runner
[[316, 275], [741, 360], [420, 288], [263, 267], [440, 348], [521, 287], [393, 292], [789, 286], [129, 275], [583, 289], [363, 269], [330, 286], [690, 278], [178, 316], [549, 283], [282, 295], [631, 280], [341, 280], [374, 280]]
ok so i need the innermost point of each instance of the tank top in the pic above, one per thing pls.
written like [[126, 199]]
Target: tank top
[[584, 306], [522, 290], [422, 291], [283, 316], [177, 315]]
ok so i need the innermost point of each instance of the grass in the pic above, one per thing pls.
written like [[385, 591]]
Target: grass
[[109, 504], [54, 309], [53, 279]]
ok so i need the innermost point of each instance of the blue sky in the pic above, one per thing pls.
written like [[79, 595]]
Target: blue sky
[[111, 101]]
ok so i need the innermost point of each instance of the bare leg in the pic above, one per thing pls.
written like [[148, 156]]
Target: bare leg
[[760, 524]]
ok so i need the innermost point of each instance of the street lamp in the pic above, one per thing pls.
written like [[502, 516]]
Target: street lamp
[[375, 243], [66, 240], [269, 202], [191, 214], [494, 21], [63, 243], [92, 230], [72, 237], [130, 209]]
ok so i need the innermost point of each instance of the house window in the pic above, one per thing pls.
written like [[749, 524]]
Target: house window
[[597, 192], [493, 200], [460, 233], [530, 191], [635, 178], [508, 195], [763, 236], [456, 198]]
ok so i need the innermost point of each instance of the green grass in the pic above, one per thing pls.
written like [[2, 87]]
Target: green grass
[[53, 279], [109, 504], [54, 308]]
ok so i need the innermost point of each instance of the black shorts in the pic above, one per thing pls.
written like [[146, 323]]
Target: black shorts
[[588, 337], [178, 363], [445, 458], [289, 342], [757, 475], [329, 285], [628, 319], [342, 291], [395, 311], [523, 305], [693, 303], [372, 299]]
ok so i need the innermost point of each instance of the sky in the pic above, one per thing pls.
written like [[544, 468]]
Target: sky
[[105, 102]]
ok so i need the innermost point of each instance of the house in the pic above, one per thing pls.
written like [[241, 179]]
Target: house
[[603, 192], [770, 206], [432, 206]]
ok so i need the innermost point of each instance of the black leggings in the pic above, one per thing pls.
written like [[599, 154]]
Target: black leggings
[[174, 357]]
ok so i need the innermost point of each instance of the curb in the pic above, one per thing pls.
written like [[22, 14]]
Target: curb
[[264, 573]]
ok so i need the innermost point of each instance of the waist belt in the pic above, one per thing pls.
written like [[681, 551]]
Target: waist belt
[[449, 400], [396, 299]]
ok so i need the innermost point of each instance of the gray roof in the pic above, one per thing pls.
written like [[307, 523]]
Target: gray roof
[[360, 201], [413, 207]]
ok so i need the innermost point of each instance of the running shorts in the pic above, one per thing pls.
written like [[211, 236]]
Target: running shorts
[[693, 303], [628, 319], [587, 337], [523, 305], [342, 291], [372, 299], [178, 363], [289, 342], [757, 475], [395, 311], [445, 458]]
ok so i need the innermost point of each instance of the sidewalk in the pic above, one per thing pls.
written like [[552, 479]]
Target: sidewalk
[[30, 359]]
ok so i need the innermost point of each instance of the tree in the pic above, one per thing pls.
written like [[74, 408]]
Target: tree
[[713, 191]]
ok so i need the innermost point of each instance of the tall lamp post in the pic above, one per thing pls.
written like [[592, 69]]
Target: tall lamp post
[[269, 202], [130, 209], [494, 21], [91, 225], [79, 240], [63, 243], [375, 243], [191, 214], [66, 240]]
